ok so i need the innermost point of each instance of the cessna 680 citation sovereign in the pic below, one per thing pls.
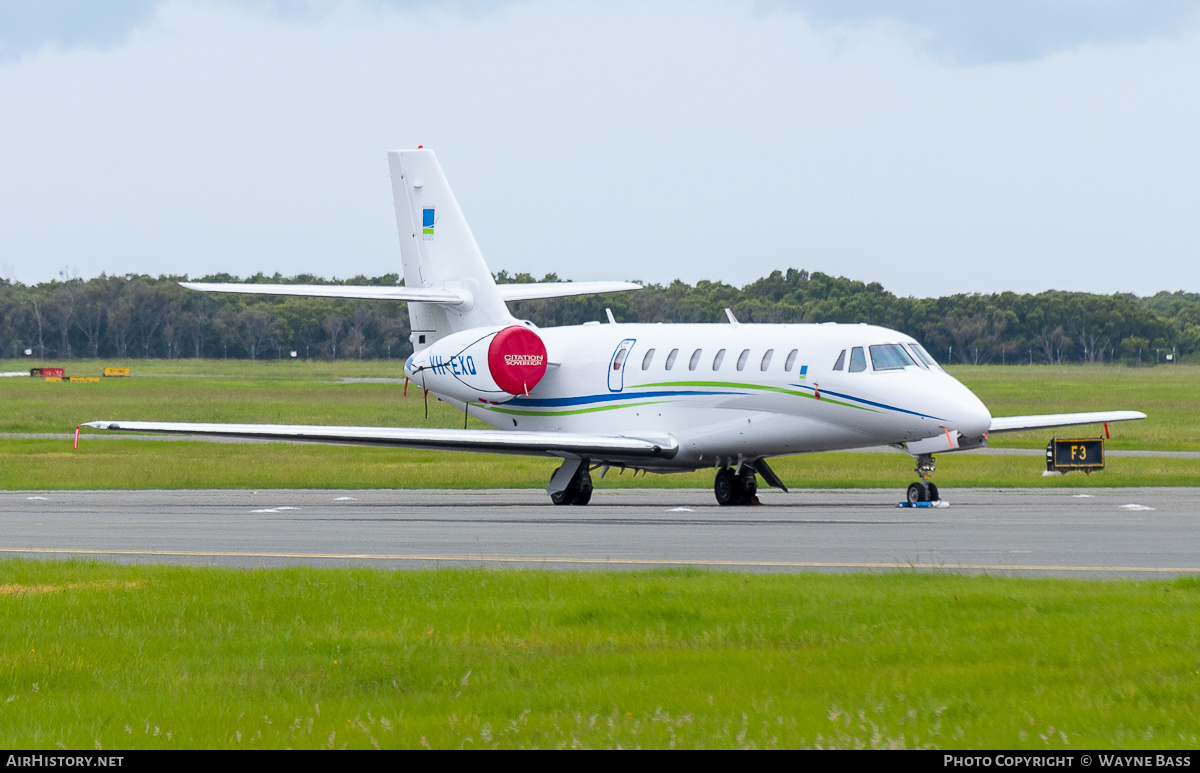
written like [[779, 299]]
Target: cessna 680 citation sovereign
[[650, 397]]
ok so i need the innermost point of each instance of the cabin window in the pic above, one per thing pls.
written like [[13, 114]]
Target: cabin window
[[890, 357], [858, 360], [646, 360], [766, 361], [841, 362], [745, 355], [790, 361], [692, 363], [922, 356], [717, 360], [671, 358], [619, 360]]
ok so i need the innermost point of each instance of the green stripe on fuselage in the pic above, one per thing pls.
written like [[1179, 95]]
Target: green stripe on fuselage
[[761, 387], [515, 412]]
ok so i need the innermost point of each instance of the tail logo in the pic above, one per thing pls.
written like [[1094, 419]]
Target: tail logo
[[427, 221]]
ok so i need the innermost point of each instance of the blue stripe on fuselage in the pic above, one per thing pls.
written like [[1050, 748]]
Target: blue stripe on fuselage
[[558, 402], [885, 406], [554, 402]]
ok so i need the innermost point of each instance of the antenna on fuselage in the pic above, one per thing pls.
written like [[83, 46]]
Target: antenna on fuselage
[[732, 319], [611, 319]]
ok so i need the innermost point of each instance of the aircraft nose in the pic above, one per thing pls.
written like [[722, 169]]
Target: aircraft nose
[[970, 416]]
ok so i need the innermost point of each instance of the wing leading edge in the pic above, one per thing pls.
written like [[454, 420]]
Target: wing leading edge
[[555, 444], [1046, 421]]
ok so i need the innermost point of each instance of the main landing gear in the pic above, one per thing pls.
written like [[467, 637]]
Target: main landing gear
[[923, 490], [736, 488], [575, 489], [739, 485]]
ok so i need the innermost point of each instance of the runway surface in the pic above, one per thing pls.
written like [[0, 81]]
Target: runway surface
[[1071, 532]]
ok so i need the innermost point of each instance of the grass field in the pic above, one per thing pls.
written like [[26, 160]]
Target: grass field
[[311, 393], [95, 655], [150, 656]]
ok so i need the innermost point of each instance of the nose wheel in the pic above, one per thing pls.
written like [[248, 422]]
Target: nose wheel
[[923, 490], [734, 488]]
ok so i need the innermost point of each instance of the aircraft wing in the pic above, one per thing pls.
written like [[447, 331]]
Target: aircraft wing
[[490, 441], [1046, 421]]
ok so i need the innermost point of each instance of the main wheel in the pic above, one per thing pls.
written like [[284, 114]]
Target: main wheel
[[582, 488], [749, 486], [577, 492], [726, 487], [567, 495], [917, 493]]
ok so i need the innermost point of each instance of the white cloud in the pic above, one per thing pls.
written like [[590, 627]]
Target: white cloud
[[603, 140]]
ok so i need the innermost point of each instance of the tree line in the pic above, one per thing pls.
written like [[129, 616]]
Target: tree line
[[126, 317]]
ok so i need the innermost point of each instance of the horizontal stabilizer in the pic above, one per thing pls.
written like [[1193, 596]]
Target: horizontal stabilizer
[[1046, 421], [529, 292], [363, 292], [508, 292], [556, 444]]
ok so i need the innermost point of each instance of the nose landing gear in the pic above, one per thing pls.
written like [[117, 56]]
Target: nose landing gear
[[923, 490]]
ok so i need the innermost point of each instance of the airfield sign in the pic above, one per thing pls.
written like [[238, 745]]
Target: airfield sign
[[1085, 454]]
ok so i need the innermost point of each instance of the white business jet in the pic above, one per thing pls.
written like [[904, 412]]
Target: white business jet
[[650, 397]]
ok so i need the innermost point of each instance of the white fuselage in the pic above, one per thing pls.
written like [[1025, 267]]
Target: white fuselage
[[722, 411]]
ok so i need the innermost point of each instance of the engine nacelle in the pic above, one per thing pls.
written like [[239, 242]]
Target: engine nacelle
[[490, 365]]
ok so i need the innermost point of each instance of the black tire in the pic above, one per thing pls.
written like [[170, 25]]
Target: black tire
[[749, 485], [933, 493], [582, 489], [726, 487], [565, 496], [917, 493]]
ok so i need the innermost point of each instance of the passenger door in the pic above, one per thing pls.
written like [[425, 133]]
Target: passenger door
[[616, 366]]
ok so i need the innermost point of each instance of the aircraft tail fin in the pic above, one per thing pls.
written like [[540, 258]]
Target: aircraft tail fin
[[439, 252]]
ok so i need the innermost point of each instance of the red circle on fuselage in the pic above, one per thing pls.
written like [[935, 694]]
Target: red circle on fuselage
[[517, 359]]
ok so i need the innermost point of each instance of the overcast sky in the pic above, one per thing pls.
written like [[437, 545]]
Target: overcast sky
[[935, 146]]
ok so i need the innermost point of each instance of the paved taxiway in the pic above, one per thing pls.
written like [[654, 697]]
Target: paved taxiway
[[1091, 532]]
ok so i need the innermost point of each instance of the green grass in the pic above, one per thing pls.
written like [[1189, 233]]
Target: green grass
[[112, 656], [310, 393], [216, 391], [1169, 396]]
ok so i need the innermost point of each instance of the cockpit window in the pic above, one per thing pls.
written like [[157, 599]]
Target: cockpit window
[[841, 362], [890, 357], [858, 360], [923, 356]]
